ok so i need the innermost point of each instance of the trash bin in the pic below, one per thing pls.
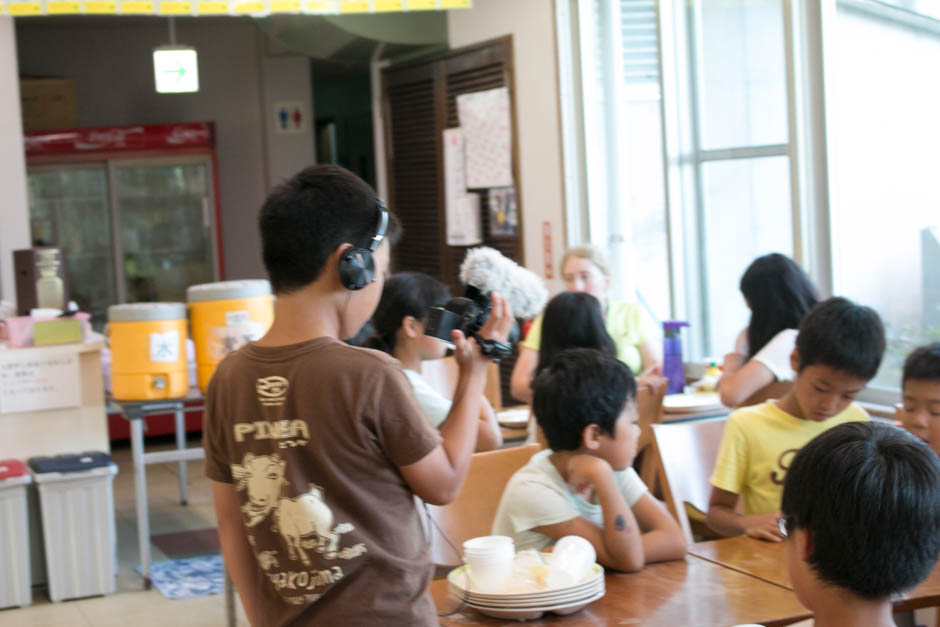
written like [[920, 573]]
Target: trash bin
[[76, 499], [15, 581]]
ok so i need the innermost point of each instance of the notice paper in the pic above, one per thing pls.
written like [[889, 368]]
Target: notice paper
[[31, 381], [462, 209], [486, 123]]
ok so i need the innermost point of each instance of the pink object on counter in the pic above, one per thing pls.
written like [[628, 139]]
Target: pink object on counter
[[18, 330]]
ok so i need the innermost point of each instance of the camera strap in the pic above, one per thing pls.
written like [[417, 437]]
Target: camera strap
[[493, 349]]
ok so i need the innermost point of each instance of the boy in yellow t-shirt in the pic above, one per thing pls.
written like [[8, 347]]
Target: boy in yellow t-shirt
[[838, 350]]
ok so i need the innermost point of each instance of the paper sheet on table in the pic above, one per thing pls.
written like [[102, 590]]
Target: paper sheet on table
[[485, 120], [31, 381], [462, 209]]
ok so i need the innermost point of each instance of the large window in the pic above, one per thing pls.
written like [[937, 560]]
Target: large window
[[884, 165], [715, 131]]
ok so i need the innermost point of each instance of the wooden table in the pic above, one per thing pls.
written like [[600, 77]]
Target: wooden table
[[692, 591], [766, 561]]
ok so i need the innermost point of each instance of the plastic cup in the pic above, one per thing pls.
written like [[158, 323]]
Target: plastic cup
[[490, 561], [572, 558]]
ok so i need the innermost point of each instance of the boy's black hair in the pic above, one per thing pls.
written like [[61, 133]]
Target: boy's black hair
[[573, 320], [779, 294], [870, 495], [404, 294], [305, 218], [923, 364], [581, 387], [842, 335]]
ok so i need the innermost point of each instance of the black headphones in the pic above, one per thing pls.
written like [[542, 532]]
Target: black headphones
[[356, 266]]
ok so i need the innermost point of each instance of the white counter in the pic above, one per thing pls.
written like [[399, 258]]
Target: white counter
[[84, 427]]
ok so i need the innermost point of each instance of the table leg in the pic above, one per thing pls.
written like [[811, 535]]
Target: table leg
[[180, 445], [140, 493], [229, 600]]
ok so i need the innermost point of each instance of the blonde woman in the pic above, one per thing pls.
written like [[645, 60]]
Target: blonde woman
[[586, 269]]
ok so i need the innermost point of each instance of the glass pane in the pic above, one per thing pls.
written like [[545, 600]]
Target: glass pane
[[165, 229], [69, 208], [642, 205], [747, 214], [742, 93], [884, 167]]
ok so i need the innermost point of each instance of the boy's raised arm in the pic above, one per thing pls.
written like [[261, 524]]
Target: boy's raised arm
[[437, 477], [619, 542]]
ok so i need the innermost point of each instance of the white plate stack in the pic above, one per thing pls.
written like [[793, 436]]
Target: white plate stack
[[529, 605]]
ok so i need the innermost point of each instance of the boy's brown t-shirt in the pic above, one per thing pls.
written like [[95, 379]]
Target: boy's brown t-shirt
[[312, 436]]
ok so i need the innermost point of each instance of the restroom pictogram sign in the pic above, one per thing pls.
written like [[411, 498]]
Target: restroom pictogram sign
[[290, 117]]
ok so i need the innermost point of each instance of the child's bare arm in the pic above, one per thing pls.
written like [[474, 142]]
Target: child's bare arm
[[662, 536], [520, 384], [240, 563], [723, 518], [618, 543], [489, 436], [438, 476], [740, 380]]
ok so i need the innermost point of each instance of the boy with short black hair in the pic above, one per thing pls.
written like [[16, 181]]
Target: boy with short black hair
[[919, 412], [838, 350], [316, 448], [585, 403], [861, 513]]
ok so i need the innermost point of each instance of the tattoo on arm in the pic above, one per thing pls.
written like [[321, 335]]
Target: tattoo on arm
[[620, 523]]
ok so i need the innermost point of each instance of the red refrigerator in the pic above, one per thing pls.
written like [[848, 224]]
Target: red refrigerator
[[135, 208]]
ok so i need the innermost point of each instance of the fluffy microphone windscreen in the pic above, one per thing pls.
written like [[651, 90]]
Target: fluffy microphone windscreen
[[489, 271]]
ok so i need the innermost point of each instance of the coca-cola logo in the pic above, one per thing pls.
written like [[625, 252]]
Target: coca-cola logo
[[187, 135], [107, 138]]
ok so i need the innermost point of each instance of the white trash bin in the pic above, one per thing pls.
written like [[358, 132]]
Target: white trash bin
[[76, 498], [15, 580]]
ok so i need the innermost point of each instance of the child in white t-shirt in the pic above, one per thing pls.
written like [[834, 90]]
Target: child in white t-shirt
[[398, 329], [585, 403]]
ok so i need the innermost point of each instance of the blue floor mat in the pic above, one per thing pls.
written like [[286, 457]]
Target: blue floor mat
[[190, 577]]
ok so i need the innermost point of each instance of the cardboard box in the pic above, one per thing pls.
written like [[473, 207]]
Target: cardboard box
[[48, 103]]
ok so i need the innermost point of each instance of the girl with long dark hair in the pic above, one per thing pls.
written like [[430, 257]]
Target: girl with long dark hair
[[398, 329], [778, 293]]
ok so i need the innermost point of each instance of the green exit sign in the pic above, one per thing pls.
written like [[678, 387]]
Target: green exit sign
[[175, 69]]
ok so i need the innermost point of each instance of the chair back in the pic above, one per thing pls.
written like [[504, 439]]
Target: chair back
[[771, 391], [441, 375], [686, 455], [649, 409], [472, 512]]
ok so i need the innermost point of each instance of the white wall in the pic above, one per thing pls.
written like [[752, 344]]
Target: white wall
[[112, 63], [14, 212], [531, 24], [287, 79]]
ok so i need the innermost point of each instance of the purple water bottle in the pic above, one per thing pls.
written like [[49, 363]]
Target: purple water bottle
[[673, 369]]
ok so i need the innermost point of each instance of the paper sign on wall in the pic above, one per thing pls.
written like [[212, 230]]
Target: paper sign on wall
[[34, 382], [485, 120], [462, 210]]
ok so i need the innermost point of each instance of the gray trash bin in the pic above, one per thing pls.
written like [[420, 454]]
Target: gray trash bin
[[15, 588], [76, 498]]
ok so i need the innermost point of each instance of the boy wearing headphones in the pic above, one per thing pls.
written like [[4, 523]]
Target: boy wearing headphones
[[315, 447]]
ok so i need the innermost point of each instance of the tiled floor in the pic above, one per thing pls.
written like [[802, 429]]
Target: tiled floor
[[132, 605]]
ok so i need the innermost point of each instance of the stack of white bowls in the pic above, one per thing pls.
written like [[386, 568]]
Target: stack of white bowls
[[482, 583]]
